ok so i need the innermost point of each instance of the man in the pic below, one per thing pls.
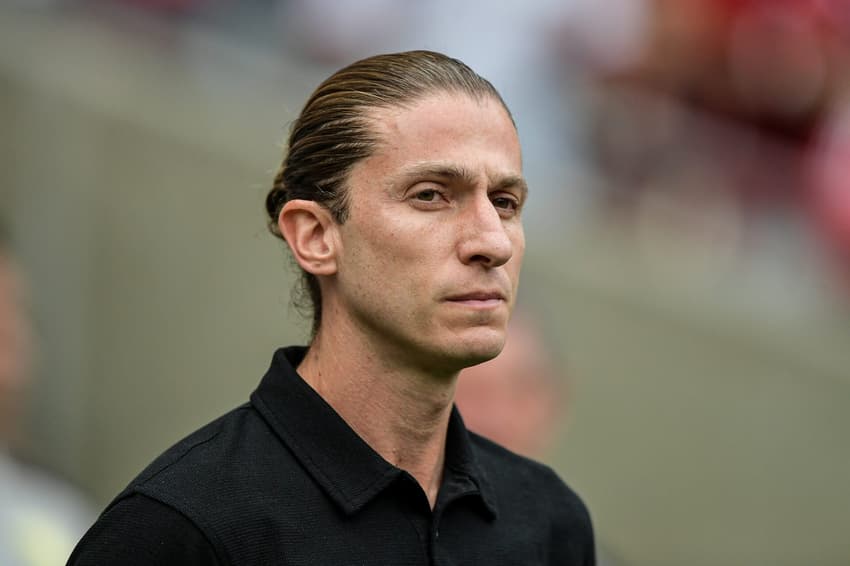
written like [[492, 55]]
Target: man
[[41, 517], [400, 198]]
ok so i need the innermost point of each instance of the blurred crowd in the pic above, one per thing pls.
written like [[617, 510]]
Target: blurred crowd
[[729, 127], [714, 129]]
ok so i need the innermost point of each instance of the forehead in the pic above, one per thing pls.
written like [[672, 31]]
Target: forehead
[[454, 128]]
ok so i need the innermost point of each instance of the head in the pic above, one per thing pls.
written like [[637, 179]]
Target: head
[[334, 132], [15, 343]]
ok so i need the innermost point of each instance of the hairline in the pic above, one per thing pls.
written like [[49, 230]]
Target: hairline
[[370, 115]]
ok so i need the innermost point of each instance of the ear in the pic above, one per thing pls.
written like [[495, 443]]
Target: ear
[[310, 231]]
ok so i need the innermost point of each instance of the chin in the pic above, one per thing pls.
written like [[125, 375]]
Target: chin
[[456, 350], [480, 348]]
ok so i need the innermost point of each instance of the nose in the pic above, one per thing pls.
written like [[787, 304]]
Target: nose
[[484, 238]]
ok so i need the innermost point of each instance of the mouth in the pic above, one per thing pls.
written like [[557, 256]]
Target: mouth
[[479, 299]]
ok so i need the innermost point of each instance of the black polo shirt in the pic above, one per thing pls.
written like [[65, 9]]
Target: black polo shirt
[[284, 480]]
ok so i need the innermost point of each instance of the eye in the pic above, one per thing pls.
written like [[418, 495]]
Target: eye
[[506, 203], [427, 195]]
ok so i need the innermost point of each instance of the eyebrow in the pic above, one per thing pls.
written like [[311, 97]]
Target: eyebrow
[[463, 175]]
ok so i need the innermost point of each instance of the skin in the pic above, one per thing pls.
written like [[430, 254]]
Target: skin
[[420, 280]]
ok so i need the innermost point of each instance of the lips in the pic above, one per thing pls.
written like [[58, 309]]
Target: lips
[[478, 296]]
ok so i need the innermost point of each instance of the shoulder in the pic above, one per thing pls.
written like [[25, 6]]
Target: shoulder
[[214, 468], [139, 531], [214, 477], [201, 456], [204, 488], [527, 488], [509, 469]]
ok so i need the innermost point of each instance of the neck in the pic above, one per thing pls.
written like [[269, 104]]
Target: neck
[[400, 412]]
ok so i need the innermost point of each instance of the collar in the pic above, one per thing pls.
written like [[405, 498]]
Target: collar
[[349, 471]]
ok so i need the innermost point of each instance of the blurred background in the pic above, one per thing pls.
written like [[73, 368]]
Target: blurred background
[[689, 240]]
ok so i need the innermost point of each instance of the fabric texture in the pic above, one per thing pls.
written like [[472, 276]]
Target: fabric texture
[[284, 480]]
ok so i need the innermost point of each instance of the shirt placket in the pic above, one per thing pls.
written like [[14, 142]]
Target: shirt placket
[[459, 488]]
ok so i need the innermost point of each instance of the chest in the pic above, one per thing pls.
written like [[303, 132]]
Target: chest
[[388, 531]]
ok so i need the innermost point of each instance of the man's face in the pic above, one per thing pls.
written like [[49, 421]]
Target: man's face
[[15, 342], [430, 255]]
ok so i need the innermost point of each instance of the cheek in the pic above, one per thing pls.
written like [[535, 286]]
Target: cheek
[[518, 238], [406, 246], [515, 263], [383, 263]]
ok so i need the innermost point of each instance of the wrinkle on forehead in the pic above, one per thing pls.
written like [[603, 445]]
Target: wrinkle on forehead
[[496, 180], [380, 118]]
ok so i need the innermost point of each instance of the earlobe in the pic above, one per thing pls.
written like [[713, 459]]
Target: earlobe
[[309, 229]]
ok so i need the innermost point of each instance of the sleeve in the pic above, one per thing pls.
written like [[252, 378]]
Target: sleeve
[[141, 531]]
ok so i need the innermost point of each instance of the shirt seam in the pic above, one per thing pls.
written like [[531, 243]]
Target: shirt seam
[[193, 517], [146, 488]]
